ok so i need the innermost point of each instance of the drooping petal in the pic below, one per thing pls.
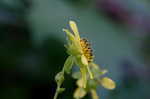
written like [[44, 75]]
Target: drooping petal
[[80, 82], [94, 94], [84, 60], [107, 83], [74, 29], [79, 93], [84, 77], [90, 73], [97, 71]]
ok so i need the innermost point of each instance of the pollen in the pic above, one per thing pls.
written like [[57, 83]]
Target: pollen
[[86, 48]]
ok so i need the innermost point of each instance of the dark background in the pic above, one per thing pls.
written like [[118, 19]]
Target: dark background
[[32, 45]]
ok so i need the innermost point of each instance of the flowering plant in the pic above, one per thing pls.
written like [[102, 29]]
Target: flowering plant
[[90, 74]]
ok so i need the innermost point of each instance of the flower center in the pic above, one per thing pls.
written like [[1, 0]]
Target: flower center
[[87, 51]]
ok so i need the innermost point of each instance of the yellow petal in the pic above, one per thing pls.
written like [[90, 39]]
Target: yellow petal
[[74, 28], [107, 83], [84, 60], [80, 83], [79, 93], [69, 34], [84, 77], [94, 94], [90, 73]]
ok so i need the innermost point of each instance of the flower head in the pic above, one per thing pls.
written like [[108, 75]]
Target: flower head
[[80, 50], [77, 46], [90, 75]]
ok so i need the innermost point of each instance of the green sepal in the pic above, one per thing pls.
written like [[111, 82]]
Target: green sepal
[[59, 78], [68, 64]]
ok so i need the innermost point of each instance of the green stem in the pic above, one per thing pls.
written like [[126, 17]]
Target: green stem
[[57, 92], [58, 87]]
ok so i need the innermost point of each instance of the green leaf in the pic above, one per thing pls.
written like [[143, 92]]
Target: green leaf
[[68, 64]]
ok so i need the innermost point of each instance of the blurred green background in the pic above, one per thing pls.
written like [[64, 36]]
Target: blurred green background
[[32, 45]]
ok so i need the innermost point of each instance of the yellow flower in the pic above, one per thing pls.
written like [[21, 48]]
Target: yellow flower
[[90, 75], [80, 51]]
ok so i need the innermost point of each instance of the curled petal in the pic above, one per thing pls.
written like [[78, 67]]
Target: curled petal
[[69, 34], [74, 28]]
